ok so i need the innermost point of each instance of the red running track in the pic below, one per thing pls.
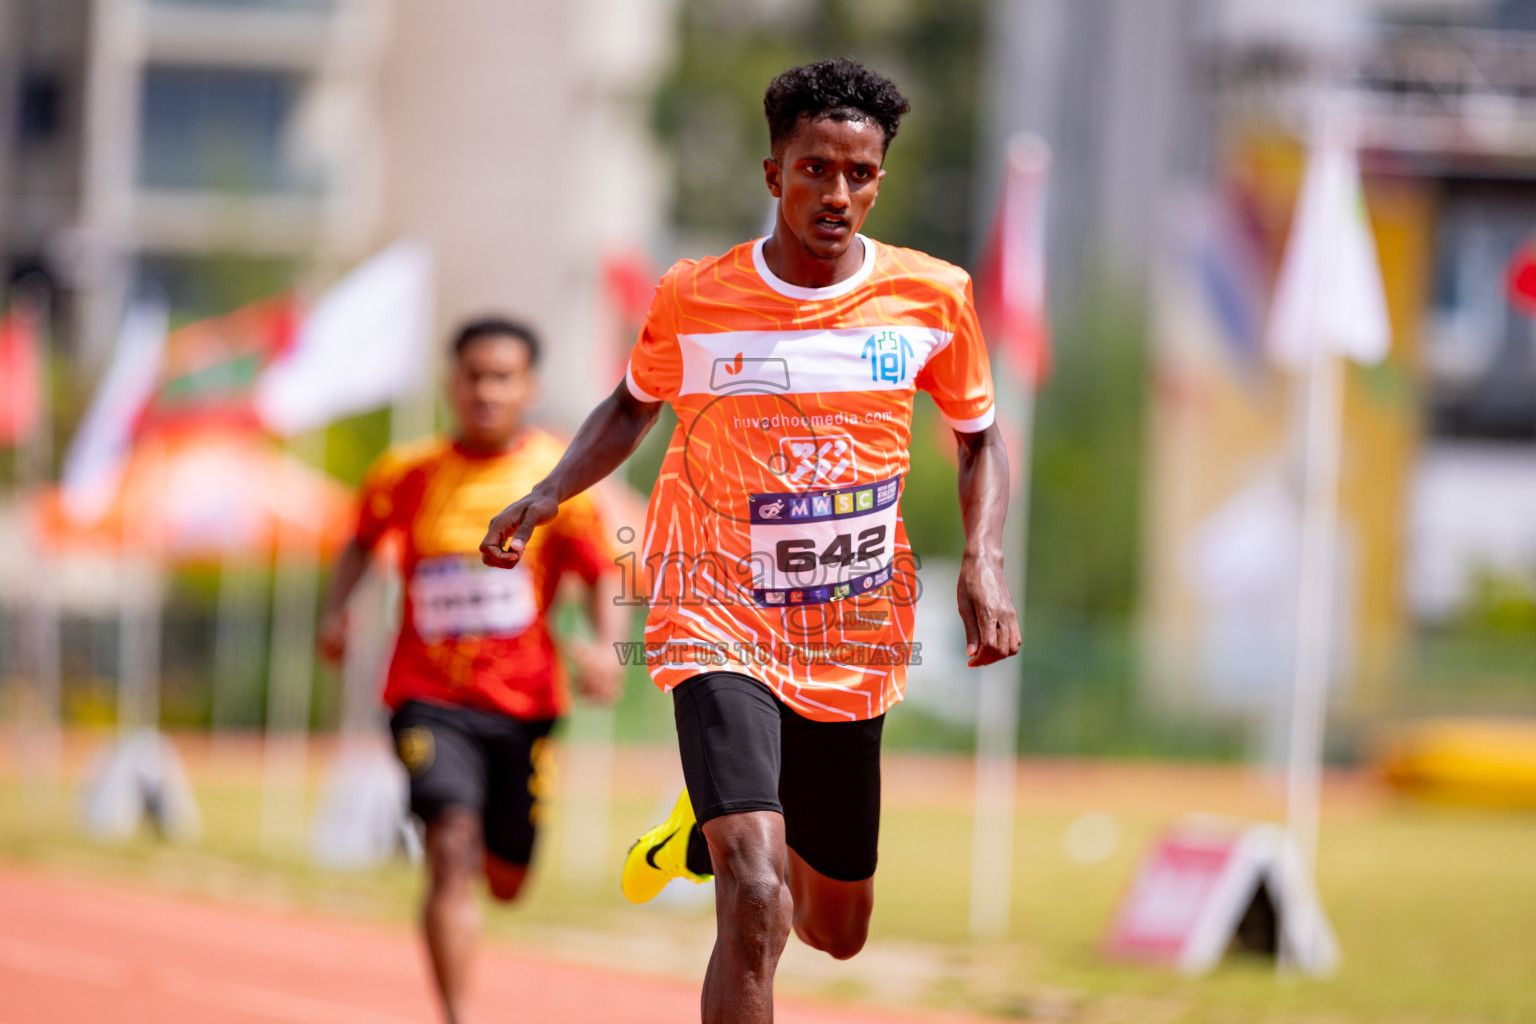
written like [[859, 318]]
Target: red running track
[[73, 951]]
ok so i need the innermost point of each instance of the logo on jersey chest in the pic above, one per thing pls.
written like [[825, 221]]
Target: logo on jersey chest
[[890, 357], [835, 360], [812, 461]]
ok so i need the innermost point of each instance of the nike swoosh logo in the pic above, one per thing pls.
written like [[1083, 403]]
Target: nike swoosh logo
[[650, 857]]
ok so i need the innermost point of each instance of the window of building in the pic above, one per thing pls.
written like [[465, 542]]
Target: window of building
[[217, 128], [40, 108], [212, 284]]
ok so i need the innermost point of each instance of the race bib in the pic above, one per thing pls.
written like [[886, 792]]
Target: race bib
[[453, 596], [823, 545]]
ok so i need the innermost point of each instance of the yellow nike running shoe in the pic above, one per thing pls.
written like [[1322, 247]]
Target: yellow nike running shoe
[[660, 855]]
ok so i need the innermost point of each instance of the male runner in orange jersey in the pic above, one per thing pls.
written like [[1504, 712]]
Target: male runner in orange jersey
[[781, 587], [476, 682]]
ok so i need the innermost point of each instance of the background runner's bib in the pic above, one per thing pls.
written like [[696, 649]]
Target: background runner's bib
[[466, 640], [454, 596], [822, 546]]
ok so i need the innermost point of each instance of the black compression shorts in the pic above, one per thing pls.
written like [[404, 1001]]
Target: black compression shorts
[[480, 760], [745, 750]]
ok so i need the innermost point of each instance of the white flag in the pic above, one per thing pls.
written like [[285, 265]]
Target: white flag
[[95, 461], [1329, 292], [362, 346]]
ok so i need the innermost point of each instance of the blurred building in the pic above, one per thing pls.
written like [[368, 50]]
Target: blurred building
[[1439, 471], [225, 149], [1178, 131]]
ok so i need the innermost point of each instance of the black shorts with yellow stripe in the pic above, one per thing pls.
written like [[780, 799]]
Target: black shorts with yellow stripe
[[485, 762]]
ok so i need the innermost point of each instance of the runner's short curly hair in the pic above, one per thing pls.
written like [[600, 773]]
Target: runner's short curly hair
[[494, 326], [841, 90]]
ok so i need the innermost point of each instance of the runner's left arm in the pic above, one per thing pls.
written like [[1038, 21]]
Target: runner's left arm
[[959, 377], [610, 435], [991, 624], [579, 535]]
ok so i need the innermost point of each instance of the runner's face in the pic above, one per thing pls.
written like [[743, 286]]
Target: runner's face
[[826, 177], [491, 387]]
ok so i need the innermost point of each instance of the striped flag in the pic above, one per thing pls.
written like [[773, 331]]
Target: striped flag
[[210, 367]]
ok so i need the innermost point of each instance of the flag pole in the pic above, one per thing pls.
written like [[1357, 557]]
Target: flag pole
[[1314, 611], [380, 312], [141, 619], [290, 681], [50, 634], [589, 742], [42, 741], [1021, 309], [997, 714], [236, 650], [1329, 303]]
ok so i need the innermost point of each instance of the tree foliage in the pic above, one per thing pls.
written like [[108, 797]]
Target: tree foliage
[[709, 109]]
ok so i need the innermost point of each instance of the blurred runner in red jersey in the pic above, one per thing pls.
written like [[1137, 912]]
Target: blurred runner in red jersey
[[476, 682]]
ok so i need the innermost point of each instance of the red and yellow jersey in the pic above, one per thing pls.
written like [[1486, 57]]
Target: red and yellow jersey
[[774, 543], [472, 635]]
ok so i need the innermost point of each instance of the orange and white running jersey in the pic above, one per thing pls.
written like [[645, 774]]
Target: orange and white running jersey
[[773, 543]]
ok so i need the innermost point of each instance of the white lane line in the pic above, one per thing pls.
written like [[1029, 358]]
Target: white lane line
[[265, 1002], [61, 963]]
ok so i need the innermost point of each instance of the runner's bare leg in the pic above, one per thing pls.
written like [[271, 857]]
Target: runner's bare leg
[[752, 916], [450, 915], [830, 915]]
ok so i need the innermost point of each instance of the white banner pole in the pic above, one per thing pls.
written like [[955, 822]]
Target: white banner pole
[[43, 740], [588, 794], [997, 709], [1022, 309], [290, 682], [236, 651], [1315, 605]]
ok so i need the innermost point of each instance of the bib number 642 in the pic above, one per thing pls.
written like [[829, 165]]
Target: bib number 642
[[801, 555]]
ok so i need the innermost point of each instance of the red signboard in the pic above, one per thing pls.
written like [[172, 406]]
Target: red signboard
[[1175, 885], [1194, 889]]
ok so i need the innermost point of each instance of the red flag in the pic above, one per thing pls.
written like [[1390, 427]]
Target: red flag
[[1011, 280], [1522, 279], [629, 283], [21, 374]]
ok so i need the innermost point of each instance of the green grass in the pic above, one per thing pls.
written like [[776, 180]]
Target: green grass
[[1435, 909]]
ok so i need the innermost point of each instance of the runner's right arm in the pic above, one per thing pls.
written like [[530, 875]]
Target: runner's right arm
[[610, 435], [331, 637], [376, 511]]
